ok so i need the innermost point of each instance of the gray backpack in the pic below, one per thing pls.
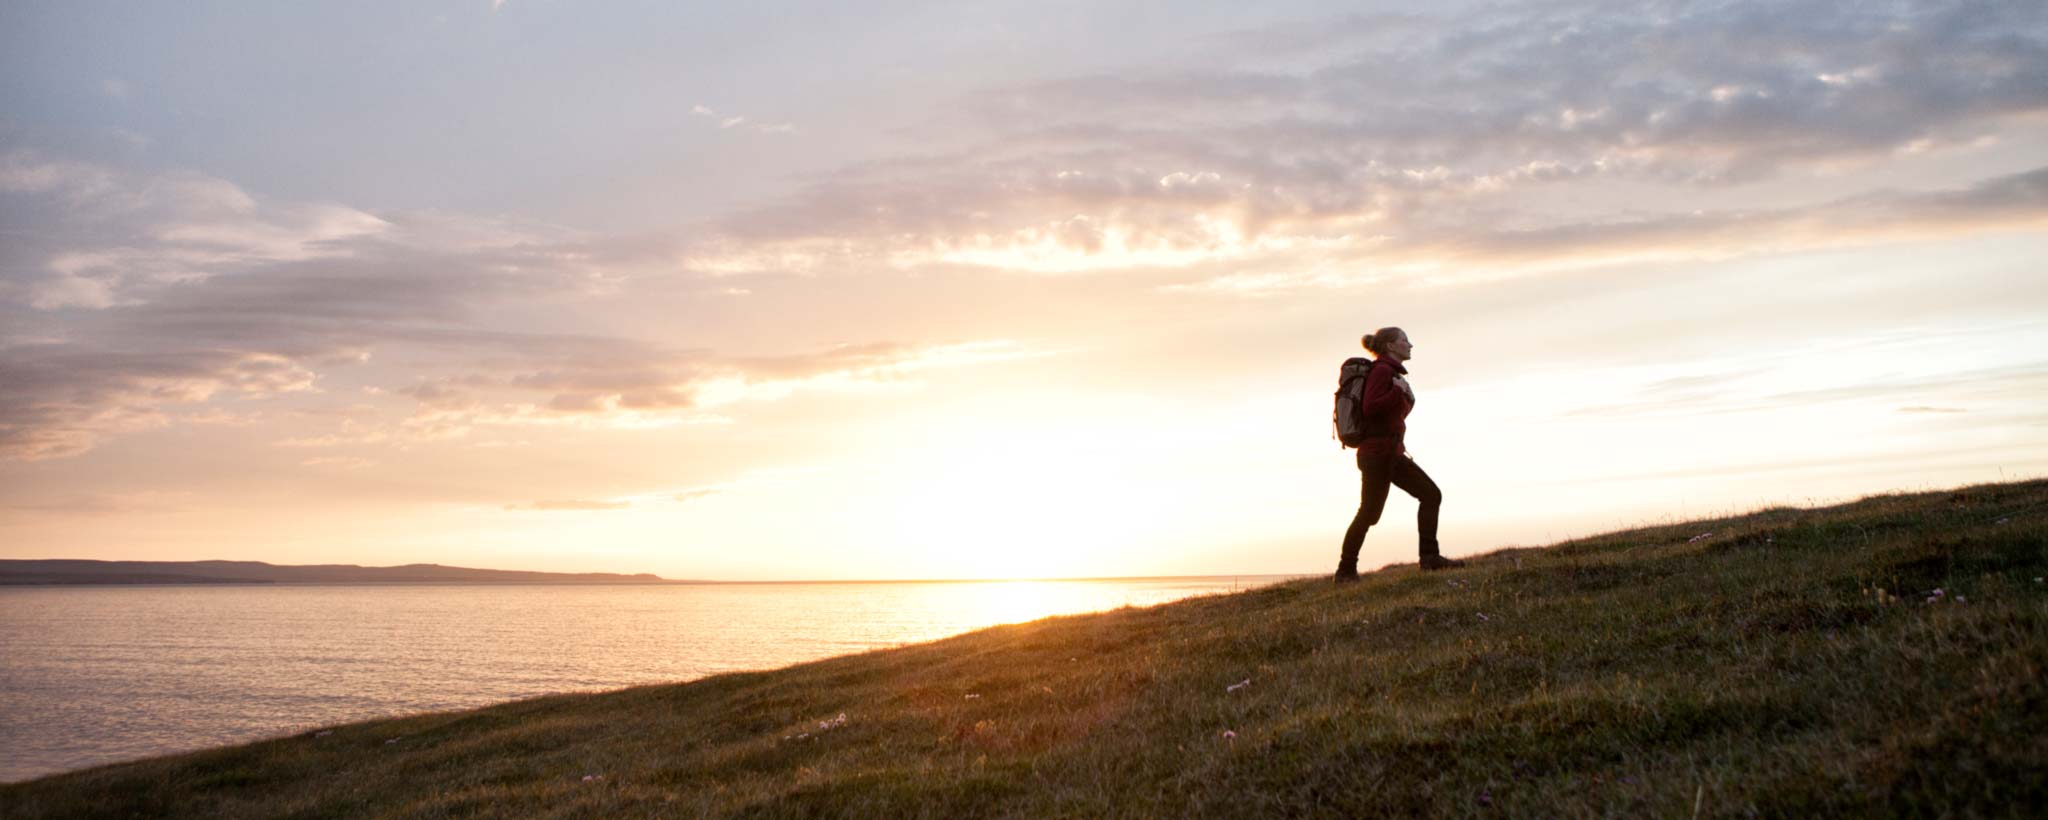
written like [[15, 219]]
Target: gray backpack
[[1348, 417]]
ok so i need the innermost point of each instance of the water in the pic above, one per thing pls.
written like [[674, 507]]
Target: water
[[94, 675]]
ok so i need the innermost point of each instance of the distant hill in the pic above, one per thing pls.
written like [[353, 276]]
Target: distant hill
[[73, 571]]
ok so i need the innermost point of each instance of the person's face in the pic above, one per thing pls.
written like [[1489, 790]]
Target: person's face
[[1400, 348]]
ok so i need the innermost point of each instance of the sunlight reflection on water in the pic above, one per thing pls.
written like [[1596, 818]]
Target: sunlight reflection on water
[[94, 675]]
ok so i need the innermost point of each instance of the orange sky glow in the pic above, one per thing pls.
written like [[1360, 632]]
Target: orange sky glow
[[934, 293]]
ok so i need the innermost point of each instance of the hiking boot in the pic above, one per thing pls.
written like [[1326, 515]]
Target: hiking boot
[[1440, 562], [1344, 577]]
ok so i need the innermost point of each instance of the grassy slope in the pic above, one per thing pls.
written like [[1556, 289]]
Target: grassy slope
[[1760, 669]]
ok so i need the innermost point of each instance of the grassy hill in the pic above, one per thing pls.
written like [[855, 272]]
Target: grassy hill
[[1789, 662]]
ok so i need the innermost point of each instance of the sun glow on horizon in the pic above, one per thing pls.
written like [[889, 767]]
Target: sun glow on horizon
[[947, 313]]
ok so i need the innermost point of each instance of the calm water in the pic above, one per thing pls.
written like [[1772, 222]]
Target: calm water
[[94, 675]]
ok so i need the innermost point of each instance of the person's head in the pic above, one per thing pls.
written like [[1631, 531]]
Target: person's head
[[1389, 343]]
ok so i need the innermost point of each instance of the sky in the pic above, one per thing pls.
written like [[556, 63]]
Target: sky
[[996, 289]]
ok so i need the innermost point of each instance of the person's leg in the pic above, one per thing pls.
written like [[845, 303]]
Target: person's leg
[[1373, 476], [1408, 475]]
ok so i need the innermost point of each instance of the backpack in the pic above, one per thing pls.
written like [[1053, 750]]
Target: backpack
[[1348, 417]]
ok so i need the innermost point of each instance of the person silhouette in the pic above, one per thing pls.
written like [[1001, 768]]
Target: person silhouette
[[1383, 456]]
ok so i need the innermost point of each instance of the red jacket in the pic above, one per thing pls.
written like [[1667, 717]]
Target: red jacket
[[1384, 409]]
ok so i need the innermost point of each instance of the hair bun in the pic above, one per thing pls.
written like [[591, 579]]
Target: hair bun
[[1366, 342]]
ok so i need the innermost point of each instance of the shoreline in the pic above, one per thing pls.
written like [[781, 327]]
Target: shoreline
[[1250, 579]]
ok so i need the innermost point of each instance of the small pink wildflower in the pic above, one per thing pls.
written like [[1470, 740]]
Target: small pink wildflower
[[1229, 735], [1482, 616], [593, 778], [1701, 537], [1238, 685]]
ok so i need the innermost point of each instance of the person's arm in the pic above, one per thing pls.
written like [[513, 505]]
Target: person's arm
[[1381, 396]]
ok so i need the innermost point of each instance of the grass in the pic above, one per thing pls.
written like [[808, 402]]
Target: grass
[[1794, 662]]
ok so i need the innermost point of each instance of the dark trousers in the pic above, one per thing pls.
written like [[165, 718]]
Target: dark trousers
[[1377, 471]]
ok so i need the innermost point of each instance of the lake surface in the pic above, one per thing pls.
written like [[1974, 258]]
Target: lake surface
[[92, 675]]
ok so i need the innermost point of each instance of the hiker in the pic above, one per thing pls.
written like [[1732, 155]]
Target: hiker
[[1382, 457]]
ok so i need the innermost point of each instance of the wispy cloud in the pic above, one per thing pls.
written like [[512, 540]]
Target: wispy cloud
[[1734, 394], [97, 504], [340, 462], [730, 121], [572, 505], [625, 385]]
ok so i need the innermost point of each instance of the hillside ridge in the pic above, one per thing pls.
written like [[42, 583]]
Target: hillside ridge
[[1880, 657]]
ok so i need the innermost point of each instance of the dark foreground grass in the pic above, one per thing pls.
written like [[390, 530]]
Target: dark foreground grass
[[1793, 663]]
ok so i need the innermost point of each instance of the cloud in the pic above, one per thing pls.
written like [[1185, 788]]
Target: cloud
[[1415, 147], [1437, 133], [60, 401], [96, 504], [630, 385], [339, 462], [730, 121], [2016, 202], [573, 505], [145, 231], [350, 432], [1736, 394], [1361, 254], [693, 495], [131, 294], [178, 289]]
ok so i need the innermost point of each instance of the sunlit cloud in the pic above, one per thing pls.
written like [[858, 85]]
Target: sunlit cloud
[[627, 388], [59, 402], [1386, 152], [199, 290], [571, 505], [340, 462], [104, 504]]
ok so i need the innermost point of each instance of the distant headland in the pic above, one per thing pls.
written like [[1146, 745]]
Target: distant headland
[[50, 572]]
